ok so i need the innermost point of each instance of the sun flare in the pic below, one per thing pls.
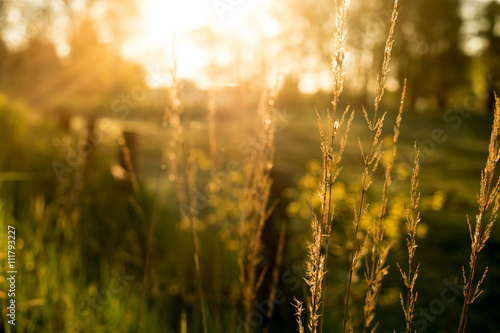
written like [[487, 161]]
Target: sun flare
[[161, 22], [163, 19]]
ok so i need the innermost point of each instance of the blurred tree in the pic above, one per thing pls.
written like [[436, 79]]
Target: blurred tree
[[31, 70], [91, 76], [309, 32], [368, 25], [309, 36], [492, 61], [4, 61], [115, 19], [427, 50], [289, 94], [98, 67]]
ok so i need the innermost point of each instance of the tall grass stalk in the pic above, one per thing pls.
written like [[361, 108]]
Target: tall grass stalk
[[255, 209], [181, 152], [299, 308], [371, 159], [412, 219], [321, 227], [212, 154], [136, 202], [331, 168], [488, 201], [377, 270]]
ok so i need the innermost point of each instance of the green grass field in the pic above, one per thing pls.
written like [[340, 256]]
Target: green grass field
[[80, 252]]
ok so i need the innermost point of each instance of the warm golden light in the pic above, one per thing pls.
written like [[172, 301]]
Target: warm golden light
[[162, 19], [167, 23], [162, 22]]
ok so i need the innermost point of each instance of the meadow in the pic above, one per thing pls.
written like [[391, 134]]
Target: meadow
[[246, 209]]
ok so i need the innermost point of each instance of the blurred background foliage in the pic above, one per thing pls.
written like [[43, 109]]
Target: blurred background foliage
[[71, 99]]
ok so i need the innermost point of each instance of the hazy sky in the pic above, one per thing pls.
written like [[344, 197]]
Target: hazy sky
[[243, 23], [162, 20]]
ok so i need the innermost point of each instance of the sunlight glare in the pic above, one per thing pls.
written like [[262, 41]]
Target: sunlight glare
[[162, 19], [164, 23]]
